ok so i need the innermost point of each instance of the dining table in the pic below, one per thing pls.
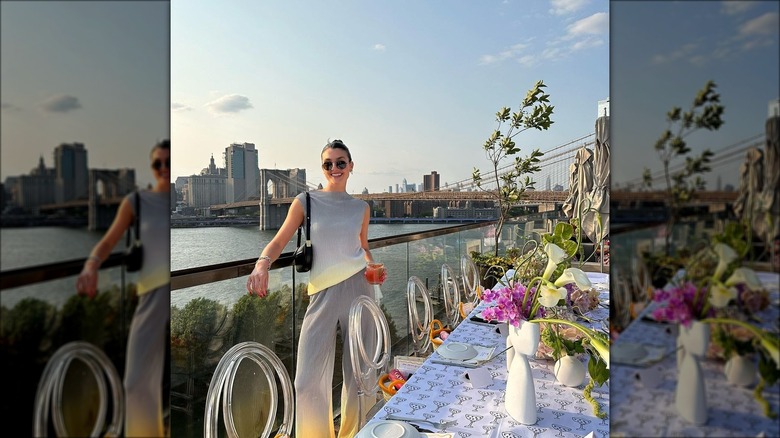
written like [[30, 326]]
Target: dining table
[[644, 405], [443, 399]]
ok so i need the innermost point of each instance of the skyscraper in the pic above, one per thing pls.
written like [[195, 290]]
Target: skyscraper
[[243, 172], [431, 182], [72, 176]]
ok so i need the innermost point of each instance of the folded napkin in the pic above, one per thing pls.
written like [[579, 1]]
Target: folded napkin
[[641, 356], [483, 353]]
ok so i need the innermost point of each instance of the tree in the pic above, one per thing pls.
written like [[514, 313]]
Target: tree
[[705, 113], [534, 113]]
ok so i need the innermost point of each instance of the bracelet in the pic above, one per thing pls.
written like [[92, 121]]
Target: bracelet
[[265, 257], [95, 258]]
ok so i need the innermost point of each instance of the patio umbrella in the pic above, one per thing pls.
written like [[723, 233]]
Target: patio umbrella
[[599, 192], [765, 219], [580, 181], [751, 175]]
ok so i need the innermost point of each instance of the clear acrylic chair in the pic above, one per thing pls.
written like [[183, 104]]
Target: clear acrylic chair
[[61, 384], [419, 329], [223, 384], [367, 365], [472, 290], [449, 284]]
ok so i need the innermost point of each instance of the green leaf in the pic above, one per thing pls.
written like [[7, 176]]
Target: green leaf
[[570, 247], [597, 369]]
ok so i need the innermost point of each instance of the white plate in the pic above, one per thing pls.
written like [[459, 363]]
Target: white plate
[[628, 352], [388, 429], [457, 351]]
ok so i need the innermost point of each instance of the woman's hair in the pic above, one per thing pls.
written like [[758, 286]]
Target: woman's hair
[[165, 144], [337, 144]]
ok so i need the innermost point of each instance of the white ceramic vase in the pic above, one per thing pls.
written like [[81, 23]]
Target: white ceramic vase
[[520, 398], [740, 370], [690, 397], [569, 370]]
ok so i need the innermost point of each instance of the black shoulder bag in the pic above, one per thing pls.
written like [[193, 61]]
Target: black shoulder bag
[[134, 254], [304, 255]]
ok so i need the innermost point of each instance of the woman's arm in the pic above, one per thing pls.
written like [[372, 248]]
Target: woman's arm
[[87, 280], [258, 279], [364, 234]]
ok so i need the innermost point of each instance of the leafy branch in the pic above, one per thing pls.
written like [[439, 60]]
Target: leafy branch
[[534, 113]]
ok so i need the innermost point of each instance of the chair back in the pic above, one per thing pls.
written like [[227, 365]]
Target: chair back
[[222, 386], [472, 290], [419, 329], [51, 394], [451, 294], [369, 347]]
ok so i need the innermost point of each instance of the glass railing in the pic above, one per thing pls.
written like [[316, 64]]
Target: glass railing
[[41, 312], [211, 310]]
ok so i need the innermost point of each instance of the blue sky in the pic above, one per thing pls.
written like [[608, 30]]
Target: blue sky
[[662, 53], [89, 72], [409, 86]]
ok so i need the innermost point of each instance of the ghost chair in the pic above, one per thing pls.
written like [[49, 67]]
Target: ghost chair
[[472, 290], [419, 328], [369, 347], [451, 294], [64, 388], [249, 399]]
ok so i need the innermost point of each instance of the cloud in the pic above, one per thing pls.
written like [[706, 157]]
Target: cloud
[[231, 103], [596, 24], [563, 7], [766, 24], [179, 107], [60, 103], [10, 107], [736, 7], [509, 53], [379, 47], [587, 43], [686, 51]]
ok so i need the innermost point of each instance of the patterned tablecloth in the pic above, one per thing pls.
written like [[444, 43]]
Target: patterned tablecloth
[[644, 405], [440, 392]]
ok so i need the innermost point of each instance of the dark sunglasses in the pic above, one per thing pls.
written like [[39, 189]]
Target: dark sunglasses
[[158, 164], [340, 164]]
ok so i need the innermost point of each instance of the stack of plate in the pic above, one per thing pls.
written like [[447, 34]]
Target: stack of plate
[[388, 429], [457, 351]]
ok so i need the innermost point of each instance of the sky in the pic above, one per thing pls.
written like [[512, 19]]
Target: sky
[[96, 73], [662, 53], [410, 87]]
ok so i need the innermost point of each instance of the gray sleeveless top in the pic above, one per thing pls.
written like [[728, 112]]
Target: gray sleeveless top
[[155, 238], [336, 219]]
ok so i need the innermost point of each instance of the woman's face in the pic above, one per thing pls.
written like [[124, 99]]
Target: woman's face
[[335, 159], [161, 164]]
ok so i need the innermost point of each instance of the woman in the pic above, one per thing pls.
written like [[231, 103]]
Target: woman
[[339, 234], [146, 341]]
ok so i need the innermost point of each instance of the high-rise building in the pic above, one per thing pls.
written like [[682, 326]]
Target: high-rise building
[[431, 182], [72, 175], [37, 188], [206, 190], [243, 172]]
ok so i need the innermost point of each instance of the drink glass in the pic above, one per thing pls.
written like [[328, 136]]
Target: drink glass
[[375, 273]]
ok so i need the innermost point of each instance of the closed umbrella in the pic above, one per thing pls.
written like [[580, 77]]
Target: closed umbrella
[[595, 220]]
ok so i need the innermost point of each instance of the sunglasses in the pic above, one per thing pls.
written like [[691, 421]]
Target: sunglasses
[[340, 164], [158, 164]]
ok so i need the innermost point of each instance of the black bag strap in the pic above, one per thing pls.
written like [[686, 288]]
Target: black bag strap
[[308, 223], [136, 220]]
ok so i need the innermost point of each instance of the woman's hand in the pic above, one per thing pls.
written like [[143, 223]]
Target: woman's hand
[[86, 284], [257, 283]]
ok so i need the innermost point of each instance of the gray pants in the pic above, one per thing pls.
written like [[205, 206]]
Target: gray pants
[[316, 356], [145, 363]]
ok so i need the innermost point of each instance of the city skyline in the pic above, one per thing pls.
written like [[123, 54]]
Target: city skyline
[[654, 68], [95, 73], [404, 99]]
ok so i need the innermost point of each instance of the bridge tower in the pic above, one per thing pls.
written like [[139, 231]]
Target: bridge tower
[[278, 184]]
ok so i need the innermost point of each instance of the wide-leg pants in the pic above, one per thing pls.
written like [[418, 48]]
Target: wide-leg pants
[[145, 362], [316, 355]]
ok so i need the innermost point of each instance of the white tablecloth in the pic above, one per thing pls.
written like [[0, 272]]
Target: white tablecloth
[[647, 409], [441, 393]]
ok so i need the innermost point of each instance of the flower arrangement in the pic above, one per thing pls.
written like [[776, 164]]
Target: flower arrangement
[[727, 299], [544, 297]]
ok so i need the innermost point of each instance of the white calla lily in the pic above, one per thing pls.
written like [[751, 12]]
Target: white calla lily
[[720, 295], [745, 276], [550, 296], [772, 349], [726, 255], [573, 275], [555, 255]]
